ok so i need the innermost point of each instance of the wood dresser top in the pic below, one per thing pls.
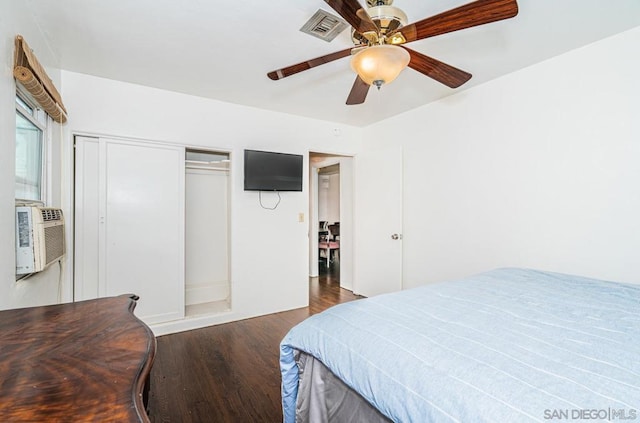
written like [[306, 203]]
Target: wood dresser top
[[84, 361]]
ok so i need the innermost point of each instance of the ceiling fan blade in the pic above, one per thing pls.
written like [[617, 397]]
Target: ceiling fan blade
[[358, 92], [445, 74], [479, 12], [312, 63], [352, 12]]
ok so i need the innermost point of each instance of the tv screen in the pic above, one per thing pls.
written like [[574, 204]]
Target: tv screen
[[269, 171]]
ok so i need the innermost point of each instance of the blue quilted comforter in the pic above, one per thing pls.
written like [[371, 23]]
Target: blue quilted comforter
[[510, 345]]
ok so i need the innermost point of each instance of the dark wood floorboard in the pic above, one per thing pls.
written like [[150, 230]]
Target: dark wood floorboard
[[230, 372]]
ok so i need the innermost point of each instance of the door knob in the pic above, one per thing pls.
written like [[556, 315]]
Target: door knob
[[396, 236]]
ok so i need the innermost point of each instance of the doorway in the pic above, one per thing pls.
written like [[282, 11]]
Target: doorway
[[331, 217], [329, 220], [207, 282]]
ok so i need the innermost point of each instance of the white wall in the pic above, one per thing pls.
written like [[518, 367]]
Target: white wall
[[540, 168], [269, 249], [42, 288]]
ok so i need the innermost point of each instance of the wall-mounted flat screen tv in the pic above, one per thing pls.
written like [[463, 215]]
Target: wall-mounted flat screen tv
[[270, 171]]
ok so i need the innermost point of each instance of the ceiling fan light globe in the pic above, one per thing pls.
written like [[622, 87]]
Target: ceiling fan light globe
[[380, 63]]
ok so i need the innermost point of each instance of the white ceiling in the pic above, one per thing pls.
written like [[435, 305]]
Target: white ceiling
[[223, 50]]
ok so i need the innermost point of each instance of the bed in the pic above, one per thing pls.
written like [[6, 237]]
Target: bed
[[509, 345]]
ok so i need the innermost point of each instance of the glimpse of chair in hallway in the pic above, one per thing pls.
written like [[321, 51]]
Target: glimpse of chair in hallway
[[330, 244]]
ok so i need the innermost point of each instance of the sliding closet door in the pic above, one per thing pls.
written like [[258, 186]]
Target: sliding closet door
[[87, 217], [144, 234], [132, 240]]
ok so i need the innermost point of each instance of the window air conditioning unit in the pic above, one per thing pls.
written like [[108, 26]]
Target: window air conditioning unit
[[39, 238]]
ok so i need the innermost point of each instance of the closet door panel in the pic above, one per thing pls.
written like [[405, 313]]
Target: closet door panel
[[144, 231], [87, 215]]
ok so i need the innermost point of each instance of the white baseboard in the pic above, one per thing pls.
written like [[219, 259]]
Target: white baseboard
[[206, 293]]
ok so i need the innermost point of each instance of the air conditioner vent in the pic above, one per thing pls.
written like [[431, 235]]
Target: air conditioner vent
[[54, 241], [39, 238], [324, 25], [50, 214]]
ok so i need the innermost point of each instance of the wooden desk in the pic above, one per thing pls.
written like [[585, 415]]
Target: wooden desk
[[84, 361]]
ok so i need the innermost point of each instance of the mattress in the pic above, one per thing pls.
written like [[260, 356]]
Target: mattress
[[506, 345]]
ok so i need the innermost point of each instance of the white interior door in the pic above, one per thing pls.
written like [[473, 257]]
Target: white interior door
[[378, 222]]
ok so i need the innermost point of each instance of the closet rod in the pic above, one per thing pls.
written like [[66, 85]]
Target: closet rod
[[219, 169]]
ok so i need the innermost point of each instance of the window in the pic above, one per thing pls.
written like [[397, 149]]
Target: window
[[30, 132]]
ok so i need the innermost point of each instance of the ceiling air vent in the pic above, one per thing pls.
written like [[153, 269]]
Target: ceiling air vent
[[324, 25]]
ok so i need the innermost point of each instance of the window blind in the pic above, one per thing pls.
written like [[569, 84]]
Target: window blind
[[31, 75]]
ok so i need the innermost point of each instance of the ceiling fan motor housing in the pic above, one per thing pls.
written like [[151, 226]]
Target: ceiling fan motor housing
[[372, 3], [388, 18]]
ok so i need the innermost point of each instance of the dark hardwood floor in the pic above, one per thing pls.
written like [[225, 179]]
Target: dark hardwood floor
[[230, 372]]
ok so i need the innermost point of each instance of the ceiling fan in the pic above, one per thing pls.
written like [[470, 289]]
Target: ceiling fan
[[380, 32]]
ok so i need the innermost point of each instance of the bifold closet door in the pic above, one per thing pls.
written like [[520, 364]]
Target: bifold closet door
[[140, 225]]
